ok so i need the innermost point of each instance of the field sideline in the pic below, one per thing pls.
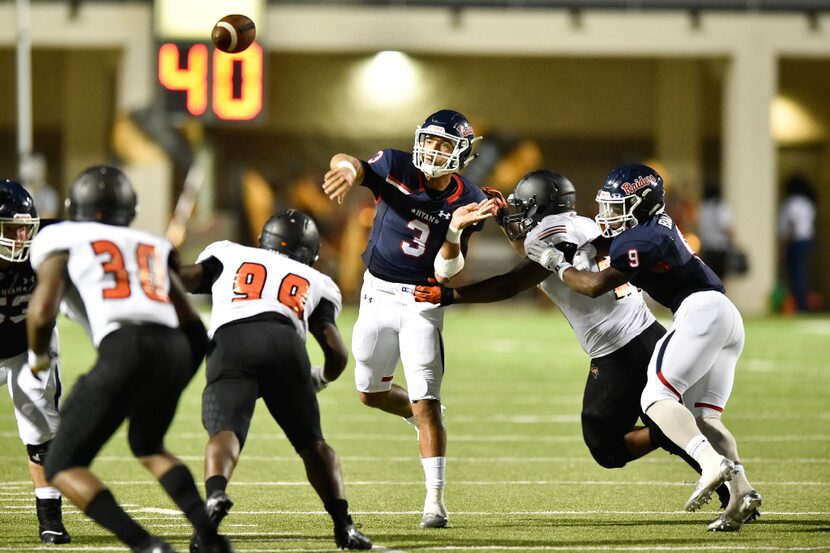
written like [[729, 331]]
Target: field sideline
[[519, 476]]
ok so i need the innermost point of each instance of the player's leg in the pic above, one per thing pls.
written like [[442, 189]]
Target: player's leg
[[91, 414], [165, 371], [680, 359], [422, 354], [36, 410], [611, 407], [228, 403], [376, 352], [707, 400], [289, 395]]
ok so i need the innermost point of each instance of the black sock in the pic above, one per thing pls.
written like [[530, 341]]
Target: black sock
[[215, 483], [180, 486], [105, 511], [338, 509]]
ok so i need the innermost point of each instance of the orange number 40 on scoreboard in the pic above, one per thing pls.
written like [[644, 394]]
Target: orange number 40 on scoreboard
[[199, 80]]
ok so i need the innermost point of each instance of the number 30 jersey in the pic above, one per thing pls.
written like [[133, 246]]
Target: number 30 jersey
[[253, 281], [118, 275]]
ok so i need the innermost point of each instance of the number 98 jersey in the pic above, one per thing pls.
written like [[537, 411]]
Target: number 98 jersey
[[255, 281], [120, 275]]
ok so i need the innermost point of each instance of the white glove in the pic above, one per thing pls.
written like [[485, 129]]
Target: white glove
[[549, 257], [318, 379]]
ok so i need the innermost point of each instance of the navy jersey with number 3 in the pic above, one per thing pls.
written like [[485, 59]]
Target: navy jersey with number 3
[[410, 224], [663, 263]]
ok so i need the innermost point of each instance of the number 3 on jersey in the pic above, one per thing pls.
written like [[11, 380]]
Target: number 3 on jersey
[[250, 281]]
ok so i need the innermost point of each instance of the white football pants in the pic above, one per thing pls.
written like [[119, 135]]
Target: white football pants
[[695, 361], [392, 326], [34, 397]]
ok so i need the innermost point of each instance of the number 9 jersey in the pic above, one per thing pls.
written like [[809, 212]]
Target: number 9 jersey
[[250, 281], [119, 275]]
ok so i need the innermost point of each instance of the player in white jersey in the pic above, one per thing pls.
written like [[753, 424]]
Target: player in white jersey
[[118, 284], [265, 301], [616, 330], [35, 399]]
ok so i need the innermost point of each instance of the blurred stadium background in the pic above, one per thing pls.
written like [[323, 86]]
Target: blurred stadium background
[[724, 92]]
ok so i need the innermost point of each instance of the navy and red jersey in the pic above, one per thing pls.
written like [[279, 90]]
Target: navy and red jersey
[[662, 262], [17, 281], [411, 221]]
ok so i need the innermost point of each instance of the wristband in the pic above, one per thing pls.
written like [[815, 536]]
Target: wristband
[[347, 165], [447, 296], [453, 235], [38, 361], [560, 270]]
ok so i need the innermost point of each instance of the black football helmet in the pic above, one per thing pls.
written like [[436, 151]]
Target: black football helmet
[[537, 195], [103, 194], [453, 127], [18, 221], [292, 233], [632, 194]]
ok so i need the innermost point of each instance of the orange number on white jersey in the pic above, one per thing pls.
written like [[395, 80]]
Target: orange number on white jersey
[[249, 281], [294, 293], [150, 271]]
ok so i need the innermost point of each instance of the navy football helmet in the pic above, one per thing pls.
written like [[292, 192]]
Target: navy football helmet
[[103, 194], [292, 233], [632, 195], [449, 127], [537, 195], [18, 221]]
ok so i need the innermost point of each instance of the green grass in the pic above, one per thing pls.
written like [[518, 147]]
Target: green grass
[[519, 476]]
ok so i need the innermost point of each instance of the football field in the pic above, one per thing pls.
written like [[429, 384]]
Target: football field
[[519, 477]]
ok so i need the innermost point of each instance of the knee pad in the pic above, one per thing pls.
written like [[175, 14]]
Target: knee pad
[[37, 453]]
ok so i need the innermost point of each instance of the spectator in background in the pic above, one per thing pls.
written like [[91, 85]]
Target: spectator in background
[[796, 230], [714, 228], [34, 178]]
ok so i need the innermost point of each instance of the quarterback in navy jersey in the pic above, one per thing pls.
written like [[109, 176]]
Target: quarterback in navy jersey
[[693, 366], [411, 220], [425, 213], [35, 399]]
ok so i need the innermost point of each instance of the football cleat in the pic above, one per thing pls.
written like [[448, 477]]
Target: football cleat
[[707, 484], [155, 545], [745, 509], [434, 520], [349, 537], [52, 531], [218, 505], [219, 544], [755, 515]]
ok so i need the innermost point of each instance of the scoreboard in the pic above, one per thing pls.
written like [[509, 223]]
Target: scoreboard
[[197, 80]]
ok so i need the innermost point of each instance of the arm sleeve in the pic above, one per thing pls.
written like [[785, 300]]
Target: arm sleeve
[[211, 269], [325, 312]]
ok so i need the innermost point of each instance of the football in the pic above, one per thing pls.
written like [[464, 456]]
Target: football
[[233, 33]]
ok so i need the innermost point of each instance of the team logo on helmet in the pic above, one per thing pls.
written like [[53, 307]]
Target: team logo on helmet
[[640, 182]]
